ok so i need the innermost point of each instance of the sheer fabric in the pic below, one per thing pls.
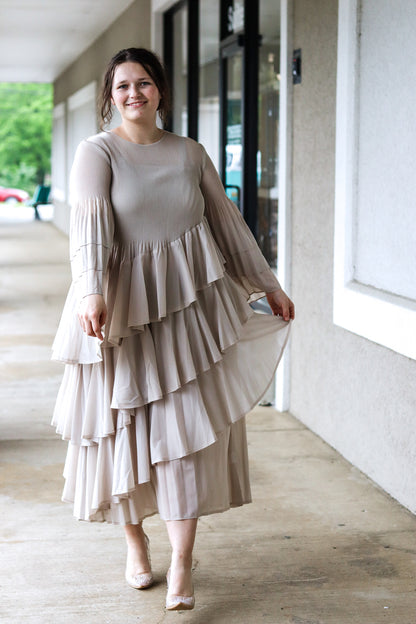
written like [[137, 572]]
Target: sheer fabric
[[154, 414]]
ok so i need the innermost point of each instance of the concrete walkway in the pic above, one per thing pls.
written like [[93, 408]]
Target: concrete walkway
[[319, 545]]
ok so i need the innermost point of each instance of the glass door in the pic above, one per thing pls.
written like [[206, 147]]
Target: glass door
[[209, 64], [233, 124], [268, 127], [239, 96]]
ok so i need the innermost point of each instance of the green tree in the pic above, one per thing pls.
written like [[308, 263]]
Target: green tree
[[25, 134]]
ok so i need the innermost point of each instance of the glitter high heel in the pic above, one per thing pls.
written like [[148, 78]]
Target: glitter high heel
[[178, 603], [141, 580]]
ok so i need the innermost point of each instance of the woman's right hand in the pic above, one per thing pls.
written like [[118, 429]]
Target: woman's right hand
[[92, 315]]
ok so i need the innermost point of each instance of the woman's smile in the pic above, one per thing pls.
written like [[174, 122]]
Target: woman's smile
[[135, 91]]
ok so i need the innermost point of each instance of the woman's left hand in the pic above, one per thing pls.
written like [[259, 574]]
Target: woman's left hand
[[281, 304]]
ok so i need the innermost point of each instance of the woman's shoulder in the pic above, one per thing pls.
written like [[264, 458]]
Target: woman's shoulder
[[101, 139], [190, 143], [95, 146], [190, 148], [93, 141]]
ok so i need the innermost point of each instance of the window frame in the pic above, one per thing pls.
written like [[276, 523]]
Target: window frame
[[193, 60], [382, 317]]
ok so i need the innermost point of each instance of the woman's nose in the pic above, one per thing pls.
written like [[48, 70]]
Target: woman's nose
[[135, 90]]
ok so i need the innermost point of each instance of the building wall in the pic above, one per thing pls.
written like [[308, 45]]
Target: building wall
[[132, 28], [355, 394]]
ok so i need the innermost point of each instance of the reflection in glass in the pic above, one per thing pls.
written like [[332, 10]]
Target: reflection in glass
[[268, 127], [208, 108], [234, 149], [180, 72]]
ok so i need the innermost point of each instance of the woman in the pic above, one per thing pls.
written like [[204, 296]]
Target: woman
[[164, 355]]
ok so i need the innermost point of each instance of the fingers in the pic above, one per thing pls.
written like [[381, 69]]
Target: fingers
[[286, 310], [96, 328], [92, 327], [92, 316], [289, 312], [281, 305]]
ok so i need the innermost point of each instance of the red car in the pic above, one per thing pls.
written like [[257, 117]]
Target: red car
[[11, 195]]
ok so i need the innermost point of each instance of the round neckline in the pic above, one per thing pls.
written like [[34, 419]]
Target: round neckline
[[139, 144]]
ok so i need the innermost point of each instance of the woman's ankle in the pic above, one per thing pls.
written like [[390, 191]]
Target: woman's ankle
[[134, 533], [181, 560]]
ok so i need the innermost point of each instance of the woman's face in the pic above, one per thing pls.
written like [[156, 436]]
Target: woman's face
[[134, 93]]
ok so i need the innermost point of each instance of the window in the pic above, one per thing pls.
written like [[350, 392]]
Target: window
[[267, 161], [208, 105], [180, 71], [375, 238]]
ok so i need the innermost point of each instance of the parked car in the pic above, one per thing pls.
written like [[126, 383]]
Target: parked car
[[12, 195]]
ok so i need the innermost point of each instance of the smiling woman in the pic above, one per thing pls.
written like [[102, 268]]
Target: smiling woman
[[154, 73], [164, 355], [137, 99]]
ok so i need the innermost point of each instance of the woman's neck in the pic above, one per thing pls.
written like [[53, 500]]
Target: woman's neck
[[142, 134]]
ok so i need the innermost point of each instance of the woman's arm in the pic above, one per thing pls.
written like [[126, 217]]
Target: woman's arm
[[244, 260], [91, 232]]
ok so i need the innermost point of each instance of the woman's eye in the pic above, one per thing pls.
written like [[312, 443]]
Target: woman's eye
[[144, 84], [122, 86]]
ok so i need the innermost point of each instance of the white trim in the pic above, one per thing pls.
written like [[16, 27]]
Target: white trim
[[58, 111], [57, 194], [83, 96], [159, 7], [381, 317], [285, 186], [58, 154]]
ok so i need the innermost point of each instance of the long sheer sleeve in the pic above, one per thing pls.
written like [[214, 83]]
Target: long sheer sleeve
[[92, 224], [244, 260]]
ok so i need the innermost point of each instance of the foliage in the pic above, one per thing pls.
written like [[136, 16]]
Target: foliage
[[25, 134]]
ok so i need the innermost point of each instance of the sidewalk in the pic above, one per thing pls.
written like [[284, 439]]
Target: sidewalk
[[319, 545]]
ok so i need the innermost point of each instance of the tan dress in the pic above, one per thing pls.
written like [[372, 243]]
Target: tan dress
[[154, 414]]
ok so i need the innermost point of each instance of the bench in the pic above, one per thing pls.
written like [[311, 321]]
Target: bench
[[40, 197]]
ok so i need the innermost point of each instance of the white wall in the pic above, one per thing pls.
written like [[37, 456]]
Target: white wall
[[357, 395], [73, 120], [385, 250], [375, 241], [59, 167], [82, 120]]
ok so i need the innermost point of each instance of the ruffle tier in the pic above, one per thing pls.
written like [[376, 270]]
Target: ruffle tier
[[146, 282], [159, 360], [117, 452], [154, 415], [207, 482]]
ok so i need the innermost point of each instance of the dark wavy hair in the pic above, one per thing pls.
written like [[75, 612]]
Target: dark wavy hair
[[152, 65]]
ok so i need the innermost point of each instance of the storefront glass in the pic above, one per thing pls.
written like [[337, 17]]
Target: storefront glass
[[268, 127], [180, 71], [234, 138], [226, 95], [208, 107]]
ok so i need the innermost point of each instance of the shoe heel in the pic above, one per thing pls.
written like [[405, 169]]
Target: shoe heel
[[143, 580]]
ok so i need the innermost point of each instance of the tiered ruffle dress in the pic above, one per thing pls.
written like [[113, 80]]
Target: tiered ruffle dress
[[154, 415]]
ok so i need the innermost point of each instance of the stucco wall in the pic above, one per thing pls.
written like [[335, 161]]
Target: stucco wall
[[358, 396], [132, 28]]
